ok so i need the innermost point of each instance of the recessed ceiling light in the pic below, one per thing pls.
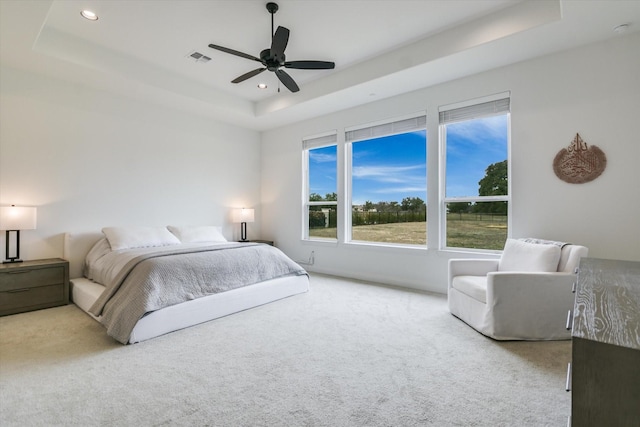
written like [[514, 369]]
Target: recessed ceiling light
[[91, 16], [262, 85]]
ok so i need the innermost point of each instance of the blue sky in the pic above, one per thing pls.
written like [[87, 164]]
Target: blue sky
[[390, 168], [322, 170], [472, 146], [394, 167]]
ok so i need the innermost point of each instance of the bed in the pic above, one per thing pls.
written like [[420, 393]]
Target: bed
[[102, 302]]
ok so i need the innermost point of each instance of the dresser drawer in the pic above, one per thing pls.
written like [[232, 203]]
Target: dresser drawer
[[34, 284], [33, 277], [18, 300]]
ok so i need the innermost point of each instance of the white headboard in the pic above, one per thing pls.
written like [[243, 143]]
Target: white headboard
[[76, 248]]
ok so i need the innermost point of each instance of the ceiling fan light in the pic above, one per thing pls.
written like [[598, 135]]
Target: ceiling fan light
[[262, 85], [91, 16]]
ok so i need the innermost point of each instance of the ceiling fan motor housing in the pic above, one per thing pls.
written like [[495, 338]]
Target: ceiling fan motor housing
[[272, 63]]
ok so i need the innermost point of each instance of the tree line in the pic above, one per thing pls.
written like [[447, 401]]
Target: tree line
[[494, 183], [410, 204]]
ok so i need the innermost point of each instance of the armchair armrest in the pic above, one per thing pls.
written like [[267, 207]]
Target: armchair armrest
[[520, 284], [471, 267], [533, 302]]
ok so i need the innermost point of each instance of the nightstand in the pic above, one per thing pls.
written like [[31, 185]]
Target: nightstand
[[32, 285]]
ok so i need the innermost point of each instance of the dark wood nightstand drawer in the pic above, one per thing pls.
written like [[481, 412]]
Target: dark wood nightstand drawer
[[28, 278], [32, 285], [20, 300]]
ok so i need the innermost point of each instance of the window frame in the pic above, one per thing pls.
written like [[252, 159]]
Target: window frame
[[373, 130], [326, 139], [482, 110]]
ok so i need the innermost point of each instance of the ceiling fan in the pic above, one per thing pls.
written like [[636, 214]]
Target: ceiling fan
[[273, 58]]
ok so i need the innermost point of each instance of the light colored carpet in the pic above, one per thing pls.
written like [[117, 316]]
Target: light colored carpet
[[345, 354]]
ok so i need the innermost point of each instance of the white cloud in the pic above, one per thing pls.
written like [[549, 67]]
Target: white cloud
[[321, 157], [386, 173], [391, 190], [485, 128]]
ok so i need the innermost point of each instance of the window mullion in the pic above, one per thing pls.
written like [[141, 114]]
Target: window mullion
[[504, 198], [344, 182], [322, 203]]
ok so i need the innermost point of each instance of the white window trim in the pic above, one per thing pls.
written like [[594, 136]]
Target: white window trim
[[344, 190], [325, 139], [442, 137], [346, 236]]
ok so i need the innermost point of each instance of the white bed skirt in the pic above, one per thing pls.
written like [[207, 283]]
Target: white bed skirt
[[84, 292]]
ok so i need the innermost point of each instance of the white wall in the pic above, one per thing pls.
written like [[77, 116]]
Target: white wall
[[593, 90], [89, 159]]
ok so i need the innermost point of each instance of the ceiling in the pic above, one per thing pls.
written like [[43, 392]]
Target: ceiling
[[141, 48]]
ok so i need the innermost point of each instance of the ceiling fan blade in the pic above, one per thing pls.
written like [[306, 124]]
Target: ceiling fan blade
[[287, 80], [279, 43], [234, 52], [248, 75], [310, 65]]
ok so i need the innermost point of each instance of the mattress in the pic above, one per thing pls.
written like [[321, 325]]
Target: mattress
[[84, 293]]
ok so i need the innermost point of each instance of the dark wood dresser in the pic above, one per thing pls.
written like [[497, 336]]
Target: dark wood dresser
[[605, 371], [32, 285]]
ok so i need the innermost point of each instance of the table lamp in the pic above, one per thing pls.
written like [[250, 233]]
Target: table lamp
[[243, 216], [12, 220]]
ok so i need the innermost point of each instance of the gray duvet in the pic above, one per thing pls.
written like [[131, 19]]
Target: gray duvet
[[168, 276]]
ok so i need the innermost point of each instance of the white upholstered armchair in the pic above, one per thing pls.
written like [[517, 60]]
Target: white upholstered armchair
[[525, 295]]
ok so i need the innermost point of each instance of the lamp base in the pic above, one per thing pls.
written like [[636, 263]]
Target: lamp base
[[16, 258], [243, 231]]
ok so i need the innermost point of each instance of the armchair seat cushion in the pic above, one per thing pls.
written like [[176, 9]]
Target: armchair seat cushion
[[473, 286]]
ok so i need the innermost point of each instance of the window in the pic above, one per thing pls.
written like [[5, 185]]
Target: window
[[475, 143], [321, 189], [388, 182]]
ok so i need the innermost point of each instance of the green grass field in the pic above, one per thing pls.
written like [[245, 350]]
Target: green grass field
[[414, 233], [464, 231], [469, 231]]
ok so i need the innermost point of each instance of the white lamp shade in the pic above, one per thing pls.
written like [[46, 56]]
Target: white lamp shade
[[243, 215], [17, 218]]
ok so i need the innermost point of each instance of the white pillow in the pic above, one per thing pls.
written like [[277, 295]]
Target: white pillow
[[139, 237], [523, 256], [100, 249], [198, 234]]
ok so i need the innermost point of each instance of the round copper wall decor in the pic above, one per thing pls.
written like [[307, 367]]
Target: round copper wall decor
[[579, 163]]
